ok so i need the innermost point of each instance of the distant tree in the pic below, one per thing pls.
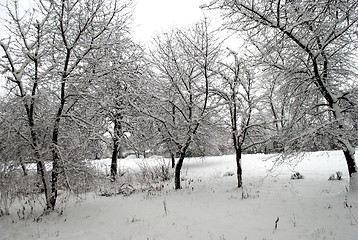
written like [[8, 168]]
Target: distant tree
[[311, 44], [118, 70], [238, 93], [180, 100]]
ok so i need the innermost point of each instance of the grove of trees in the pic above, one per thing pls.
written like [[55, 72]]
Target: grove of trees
[[76, 84], [309, 47]]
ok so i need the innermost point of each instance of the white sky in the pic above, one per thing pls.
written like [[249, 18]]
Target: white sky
[[151, 17]]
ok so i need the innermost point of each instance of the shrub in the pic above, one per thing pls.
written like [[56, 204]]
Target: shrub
[[335, 176], [297, 175]]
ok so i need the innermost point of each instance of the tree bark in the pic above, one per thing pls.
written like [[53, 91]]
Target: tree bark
[[116, 132], [178, 169], [172, 156], [45, 179], [114, 159], [40, 164], [22, 164], [349, 155], [55, 133], [55, 157], [238, 166]]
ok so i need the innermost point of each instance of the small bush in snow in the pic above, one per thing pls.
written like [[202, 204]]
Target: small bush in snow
[[152, 173], [248, 193], [297, 175], [149, 177], [116, 188], [229, 174], [24, 189], [336, 176]]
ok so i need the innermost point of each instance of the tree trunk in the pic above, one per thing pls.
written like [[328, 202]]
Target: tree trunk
[[55, 160], [172, 156], [54, 179], [114, 159], [116, 131], [348, 149], [55, 138], [178, 169], [40, 164], [349, 155], [45, 180], [23, 167], [238, 165]]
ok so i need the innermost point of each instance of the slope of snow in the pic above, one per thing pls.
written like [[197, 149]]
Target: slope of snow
[[210, 207]]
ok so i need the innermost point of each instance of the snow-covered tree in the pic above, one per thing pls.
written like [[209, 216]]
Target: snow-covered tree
[[237, 89], [119, 70], [47, 56], [180, 101], [311, 44]]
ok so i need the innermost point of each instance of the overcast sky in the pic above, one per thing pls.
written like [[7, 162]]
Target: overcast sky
[[151, 17], [155, 16]]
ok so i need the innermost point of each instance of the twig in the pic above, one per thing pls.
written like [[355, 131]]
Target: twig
[[293, 220], [165, 206], [276, 222]]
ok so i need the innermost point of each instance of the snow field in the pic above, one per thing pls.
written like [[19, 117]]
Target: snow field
[[210, 207]]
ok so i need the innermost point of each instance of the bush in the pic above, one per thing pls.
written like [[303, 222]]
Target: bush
[[335, 176], [149, 177], [156, 172], [297, 175], [77, 179], [15, 186]]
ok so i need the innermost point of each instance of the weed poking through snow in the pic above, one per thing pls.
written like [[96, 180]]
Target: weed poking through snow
[[165, 207], [349, 207], [276, 223], [293, 220], [247, 193]]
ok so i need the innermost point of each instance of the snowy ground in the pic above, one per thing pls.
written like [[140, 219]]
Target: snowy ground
[[210, 207]]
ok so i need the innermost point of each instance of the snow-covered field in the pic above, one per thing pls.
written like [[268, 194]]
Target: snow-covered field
[[210, 207]]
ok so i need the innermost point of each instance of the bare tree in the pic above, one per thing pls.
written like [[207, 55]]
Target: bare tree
[[118, 75], [311, 43], [180, 102], [238, 93], [47, 57]]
